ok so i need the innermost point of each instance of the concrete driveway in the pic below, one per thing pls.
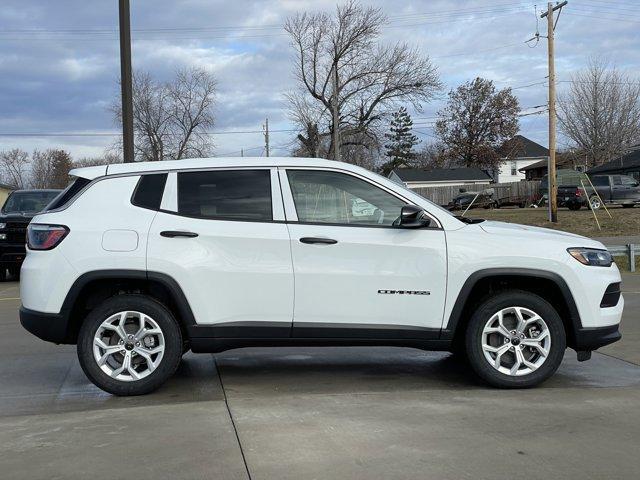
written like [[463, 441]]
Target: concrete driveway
[[318, 413]]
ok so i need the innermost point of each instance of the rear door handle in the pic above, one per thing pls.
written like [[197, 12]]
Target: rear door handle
[[318, 240], [177, 233]]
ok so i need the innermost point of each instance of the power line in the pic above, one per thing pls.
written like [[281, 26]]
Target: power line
[[475, 52], [119, 134], [600, 17], [245, 31], [235, 28]]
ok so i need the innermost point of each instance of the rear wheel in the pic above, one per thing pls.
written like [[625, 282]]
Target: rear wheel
[[595, 202], [515, 339], [628, 205], [129, 345], [573, 206]]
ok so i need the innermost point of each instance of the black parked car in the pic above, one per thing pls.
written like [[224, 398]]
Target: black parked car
[[462, 201], [18, 210]]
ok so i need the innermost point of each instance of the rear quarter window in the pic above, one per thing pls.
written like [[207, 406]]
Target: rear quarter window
[[68, 194]]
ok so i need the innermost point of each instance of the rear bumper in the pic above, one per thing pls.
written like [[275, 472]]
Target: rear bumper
[[588, 339], [51, 327]]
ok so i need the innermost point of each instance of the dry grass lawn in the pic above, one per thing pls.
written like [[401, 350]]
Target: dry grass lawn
[[625, 221]]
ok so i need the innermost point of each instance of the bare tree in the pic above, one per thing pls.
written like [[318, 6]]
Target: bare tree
[[14, 165], [373, 79], [106, 159], [476, 121], [305, 114], [601, 112], [171, 118], [42, 167], [432, 155]]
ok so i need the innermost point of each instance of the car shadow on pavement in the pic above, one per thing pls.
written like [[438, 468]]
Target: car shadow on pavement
[[61, 386], [381, 369]]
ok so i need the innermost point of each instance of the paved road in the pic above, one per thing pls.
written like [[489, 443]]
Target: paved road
[[618, 241], [311, 413]]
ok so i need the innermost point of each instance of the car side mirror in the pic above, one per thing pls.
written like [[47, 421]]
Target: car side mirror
[[412, 216]]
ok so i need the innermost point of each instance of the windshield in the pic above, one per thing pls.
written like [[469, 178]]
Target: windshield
[[28, 202]]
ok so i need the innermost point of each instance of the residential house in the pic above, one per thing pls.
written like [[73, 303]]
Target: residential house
[[628, 164], [522, 154], [438, 177], [536, 171], [5, 190]]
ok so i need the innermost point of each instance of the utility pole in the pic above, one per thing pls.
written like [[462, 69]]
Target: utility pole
[[266, 136], [242, 152], [552, 180], [336, 115], [126, 82]]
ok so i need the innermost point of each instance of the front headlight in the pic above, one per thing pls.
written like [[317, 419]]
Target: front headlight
[[3, 225], [591, 256]]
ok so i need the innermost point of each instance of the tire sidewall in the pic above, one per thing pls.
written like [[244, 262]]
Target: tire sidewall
[[172, 338], [514, 298]]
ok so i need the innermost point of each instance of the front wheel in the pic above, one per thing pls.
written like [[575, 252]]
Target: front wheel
[[129, 345], [515, 339]]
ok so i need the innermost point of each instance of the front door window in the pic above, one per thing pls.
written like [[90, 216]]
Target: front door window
[[336, 198]]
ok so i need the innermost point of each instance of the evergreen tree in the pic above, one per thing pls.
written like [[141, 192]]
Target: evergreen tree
[[401, 141]]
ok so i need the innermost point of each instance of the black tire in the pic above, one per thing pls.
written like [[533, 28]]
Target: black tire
[[628, 205], [574, 206], [3, 274], [489, 307], [172, 338]]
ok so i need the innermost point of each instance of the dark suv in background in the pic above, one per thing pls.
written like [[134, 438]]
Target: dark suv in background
[[16, 213]]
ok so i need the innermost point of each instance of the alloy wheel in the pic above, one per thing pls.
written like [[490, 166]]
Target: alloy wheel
[[128, 346], [516, 341], [595, 203]]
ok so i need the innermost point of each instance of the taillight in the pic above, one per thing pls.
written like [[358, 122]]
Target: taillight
[[45, 237], [578, 192]]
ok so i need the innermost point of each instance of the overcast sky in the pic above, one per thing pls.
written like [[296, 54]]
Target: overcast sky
[[59, 60]]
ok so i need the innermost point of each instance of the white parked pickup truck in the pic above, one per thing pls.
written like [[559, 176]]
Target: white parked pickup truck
[[137, 263]]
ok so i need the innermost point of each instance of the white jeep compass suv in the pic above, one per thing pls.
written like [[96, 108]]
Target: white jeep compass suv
[[137, 263]]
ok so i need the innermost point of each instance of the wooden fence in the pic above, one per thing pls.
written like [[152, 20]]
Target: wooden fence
[[528, 191]]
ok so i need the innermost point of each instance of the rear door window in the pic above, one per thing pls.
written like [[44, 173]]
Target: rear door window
[[226, 195], [600, 181]]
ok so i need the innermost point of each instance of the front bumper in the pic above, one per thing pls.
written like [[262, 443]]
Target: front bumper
[[52, 327]]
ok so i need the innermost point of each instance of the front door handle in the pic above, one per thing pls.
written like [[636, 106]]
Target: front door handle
[[177, 233], [318, 240]]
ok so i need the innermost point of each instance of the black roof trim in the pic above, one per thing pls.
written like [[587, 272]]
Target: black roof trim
[[441, 174]]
